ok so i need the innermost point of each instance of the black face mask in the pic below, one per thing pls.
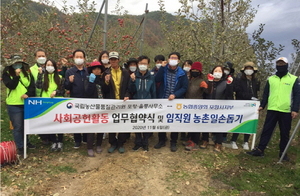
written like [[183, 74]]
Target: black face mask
[[282, 69], [195, 74]]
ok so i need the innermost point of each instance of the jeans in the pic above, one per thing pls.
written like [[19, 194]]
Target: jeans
[[16, 116]]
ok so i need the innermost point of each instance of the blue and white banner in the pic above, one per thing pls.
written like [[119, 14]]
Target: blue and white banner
[[74, 115]]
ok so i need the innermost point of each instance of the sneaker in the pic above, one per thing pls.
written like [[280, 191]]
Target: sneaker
[[234, 146], [98, 149], [217, 147], [246, 146], [30, 146], [136, 148], [186, 143], [112, 149], [54, 147], [160, 144], [90, 153], [192, 147], [146, 148], [121, 149], [256, 152], [204, 145], [59, 146], [77, 145], [173, 147]]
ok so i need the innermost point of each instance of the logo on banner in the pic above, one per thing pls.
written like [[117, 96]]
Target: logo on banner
[[69, 105], [250, 105], [179, 106], [35, 102]]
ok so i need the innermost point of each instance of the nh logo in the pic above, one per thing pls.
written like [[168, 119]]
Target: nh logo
[[35, 102]]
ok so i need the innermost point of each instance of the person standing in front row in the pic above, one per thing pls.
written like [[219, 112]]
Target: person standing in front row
[[246, 87], [219, 87], [40, 57], [282, 94], [117, 79], [20, 85], [51, 84], [142, 86], [95, 89], [197, 87], [75, 80], [173, 84]]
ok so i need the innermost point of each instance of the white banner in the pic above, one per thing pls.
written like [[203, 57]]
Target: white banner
[[74, 115]]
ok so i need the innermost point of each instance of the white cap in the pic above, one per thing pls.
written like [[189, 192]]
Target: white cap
[[282, 59]]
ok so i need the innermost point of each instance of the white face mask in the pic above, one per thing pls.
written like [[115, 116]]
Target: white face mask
[[187, 69], [50, 69], [158, 66], [143, 67], [132, 68], [173, 62], [105, 61], [217, 75], [226, 72], [41, 60], [78, 61], [248, 72]]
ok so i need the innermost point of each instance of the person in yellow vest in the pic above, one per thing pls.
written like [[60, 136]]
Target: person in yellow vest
[[51, 85], [40, 57], [20, 85], [282, 94]]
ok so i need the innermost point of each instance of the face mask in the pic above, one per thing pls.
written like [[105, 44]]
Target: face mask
[[132, 68], [217, 75], [17, 66], [158, 66], [248, 72], [50, 69], [226, 72], [187, 69], [282, 69], [78, 61], [195, 74], [41, 60], [105, 61], [143, 67], [173, 62]]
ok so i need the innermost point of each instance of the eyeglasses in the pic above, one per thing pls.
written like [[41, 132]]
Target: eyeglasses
[[173, 58]]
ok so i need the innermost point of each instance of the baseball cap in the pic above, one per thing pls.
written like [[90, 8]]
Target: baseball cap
[[16, 58], [113, 55], [284, 59]]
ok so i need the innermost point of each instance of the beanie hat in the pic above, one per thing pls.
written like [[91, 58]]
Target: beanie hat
[[197, 66]]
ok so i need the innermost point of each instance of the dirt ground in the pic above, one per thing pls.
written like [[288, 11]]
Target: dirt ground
[[157, 172]]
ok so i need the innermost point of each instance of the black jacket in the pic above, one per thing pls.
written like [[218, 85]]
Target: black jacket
[[246, 89], [77, 88], [125, 79], [219, 90]]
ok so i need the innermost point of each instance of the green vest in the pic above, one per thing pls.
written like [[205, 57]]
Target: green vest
[[52, 86], [34, 70], [14, 95], [280, 94]]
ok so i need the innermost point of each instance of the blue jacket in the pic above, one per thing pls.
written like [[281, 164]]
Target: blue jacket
[[181, 82], [76, 88], [143, 87]]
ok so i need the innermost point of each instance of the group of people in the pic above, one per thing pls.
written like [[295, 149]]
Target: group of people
[[105, 78]]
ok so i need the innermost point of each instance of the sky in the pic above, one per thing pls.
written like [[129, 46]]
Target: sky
[[281, 18]]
